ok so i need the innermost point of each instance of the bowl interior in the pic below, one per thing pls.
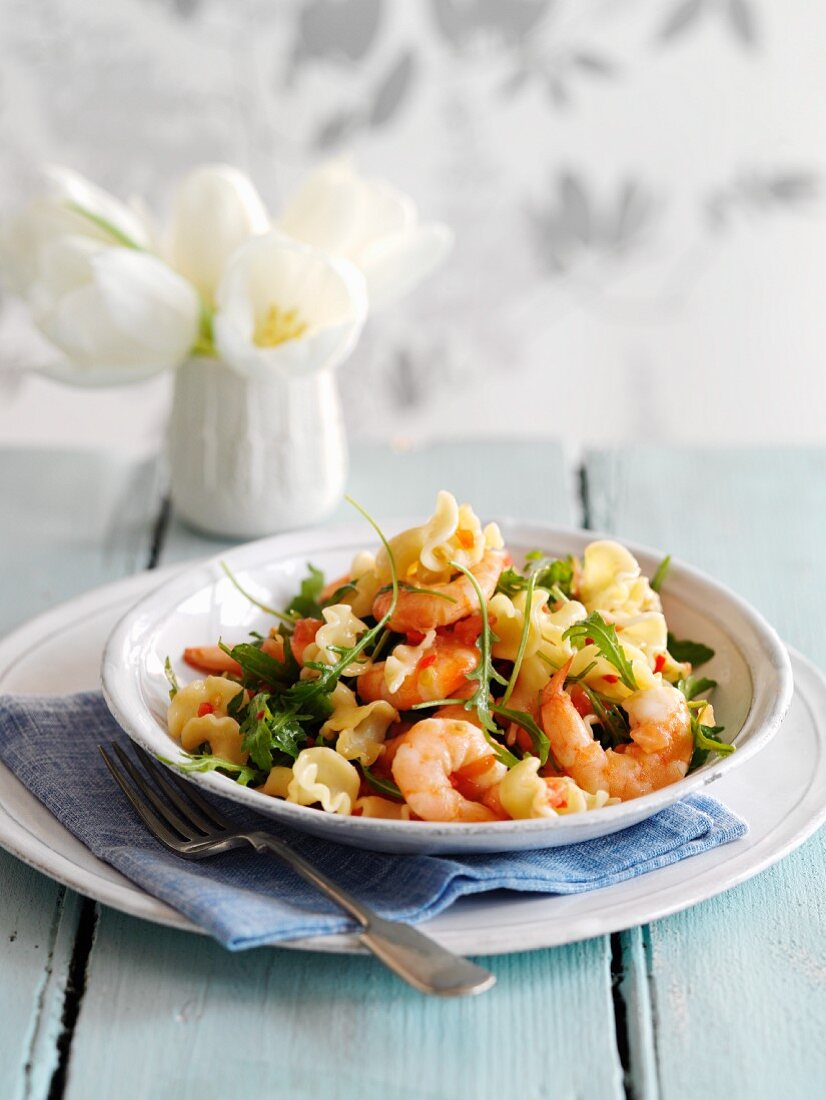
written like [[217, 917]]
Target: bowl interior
[[201, 605]]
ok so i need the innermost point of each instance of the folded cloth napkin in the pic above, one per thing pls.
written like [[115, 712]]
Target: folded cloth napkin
[[244, 900]]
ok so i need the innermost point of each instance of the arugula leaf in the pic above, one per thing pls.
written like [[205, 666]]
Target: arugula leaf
[[694, 652], [539, 740], [510, 582], [348, 586], [483, 674], [603, 635], [169, 673], [306, 604], [550, 573], [610, 718], [405, 586], [557, 574], [659, 576], [205, 762], [384, 787], [259, 666], [312, 697], [255, 732], [692, 686], [705, 742], [257, 603], [523, 641]]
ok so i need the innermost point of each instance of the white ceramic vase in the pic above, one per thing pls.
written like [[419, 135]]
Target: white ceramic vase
[[250, 457]]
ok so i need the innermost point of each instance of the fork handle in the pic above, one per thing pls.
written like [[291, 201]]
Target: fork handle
[[409, 953]]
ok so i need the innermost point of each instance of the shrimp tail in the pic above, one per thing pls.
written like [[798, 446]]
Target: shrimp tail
[[557, 682]]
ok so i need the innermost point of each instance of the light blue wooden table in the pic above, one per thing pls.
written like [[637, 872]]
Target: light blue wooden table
[[725, 1000]]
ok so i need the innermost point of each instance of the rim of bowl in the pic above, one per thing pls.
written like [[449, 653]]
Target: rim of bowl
[[770, 695]]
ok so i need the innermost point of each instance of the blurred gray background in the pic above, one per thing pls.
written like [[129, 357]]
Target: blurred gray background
[[636, 188]]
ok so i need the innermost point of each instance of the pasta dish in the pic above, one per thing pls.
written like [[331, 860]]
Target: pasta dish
[[441, 680]]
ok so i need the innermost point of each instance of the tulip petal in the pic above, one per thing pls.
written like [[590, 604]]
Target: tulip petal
[[112, 310], [216, 209], [270, 272], [370, 223], [396, 264], [76, 192]]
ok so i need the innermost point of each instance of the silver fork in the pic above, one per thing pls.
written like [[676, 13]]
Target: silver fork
[[188, 825]]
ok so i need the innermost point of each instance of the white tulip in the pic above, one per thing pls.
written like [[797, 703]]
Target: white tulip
[[369, 223], [216, 208], [117, 313], [284, 307], [69, 204]]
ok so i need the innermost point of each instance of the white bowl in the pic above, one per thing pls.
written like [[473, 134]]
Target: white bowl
[[200, 604]]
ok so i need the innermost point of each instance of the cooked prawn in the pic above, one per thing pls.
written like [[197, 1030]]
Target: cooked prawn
[[434, 753], [440, 675], [442, 604], [660, 729], [212, 659]]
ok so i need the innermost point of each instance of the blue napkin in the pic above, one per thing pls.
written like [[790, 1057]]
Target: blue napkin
[[244, 900]]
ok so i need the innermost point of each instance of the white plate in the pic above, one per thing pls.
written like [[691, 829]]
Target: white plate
[[781, 794], [200, 604]]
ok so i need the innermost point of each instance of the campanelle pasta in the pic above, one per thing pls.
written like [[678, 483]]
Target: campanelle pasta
[[360, 729], [442, 680]]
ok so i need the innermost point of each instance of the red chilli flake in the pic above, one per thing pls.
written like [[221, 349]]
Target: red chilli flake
[[659, 663], [428, 660], [610, 678], [205, 708], [260, 715], [589, 641], [414, 637]]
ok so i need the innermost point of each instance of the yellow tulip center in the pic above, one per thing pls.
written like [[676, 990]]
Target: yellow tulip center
[[277, 326]]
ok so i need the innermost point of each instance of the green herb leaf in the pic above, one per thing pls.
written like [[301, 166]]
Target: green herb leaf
[[603, 635], [384, 787], [306, 604], [312, 697], [256, 603], [169, 673], [659, 576], [558, 573], [205, 762], [255, 732], [539, 739], [694, 652], [693, 687], [260, 667], [483, 674], [510, 582], [706, 741], [550, 573], [523, 641], [611, 719], [340, 593]]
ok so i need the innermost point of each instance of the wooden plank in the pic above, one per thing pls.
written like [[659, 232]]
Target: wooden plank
[[194, 1021], [738, 984], [70, 521]]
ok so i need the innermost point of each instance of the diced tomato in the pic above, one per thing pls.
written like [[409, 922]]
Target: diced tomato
[[205, 708], [581, 701], [610, 678], [659, 663]]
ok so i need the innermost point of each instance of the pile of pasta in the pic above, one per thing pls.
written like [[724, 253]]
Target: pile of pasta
[[440, 680]]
